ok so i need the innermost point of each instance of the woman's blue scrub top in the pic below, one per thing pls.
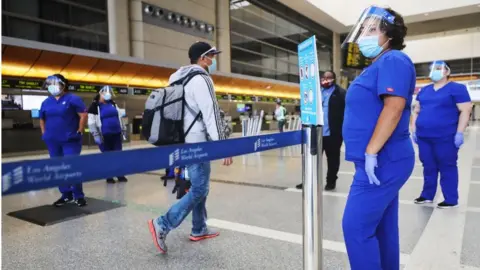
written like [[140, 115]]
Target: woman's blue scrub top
[[109, 117], [61, 118], [393, 73], [438, 116]]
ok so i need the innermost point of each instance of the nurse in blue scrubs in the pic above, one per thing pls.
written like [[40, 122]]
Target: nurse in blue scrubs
[[106, 125], [377, 140], [62, 120], [439, 122]]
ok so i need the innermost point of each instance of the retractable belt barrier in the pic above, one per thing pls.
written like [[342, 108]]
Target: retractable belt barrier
[[28, 175]]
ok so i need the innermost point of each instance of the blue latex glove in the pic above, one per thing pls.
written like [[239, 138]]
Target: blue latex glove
[[98, 140], [414, 137], [370, 165], [458, 139]]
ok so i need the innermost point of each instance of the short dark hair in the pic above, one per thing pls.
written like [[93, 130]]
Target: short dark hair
[[448, 66], [396, 31], [333, 73]]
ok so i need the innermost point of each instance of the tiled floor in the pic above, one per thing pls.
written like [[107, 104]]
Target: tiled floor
[[259, 214]]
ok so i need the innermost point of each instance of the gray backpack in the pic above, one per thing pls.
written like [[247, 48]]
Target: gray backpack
[[162, 122]]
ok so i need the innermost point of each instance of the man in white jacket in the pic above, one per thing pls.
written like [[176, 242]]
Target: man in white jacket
[[201, 99]]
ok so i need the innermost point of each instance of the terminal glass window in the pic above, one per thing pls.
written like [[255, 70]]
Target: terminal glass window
[[264, 44], [75, 23]]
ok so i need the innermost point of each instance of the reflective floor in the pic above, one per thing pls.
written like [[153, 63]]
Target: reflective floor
[[258, 211]]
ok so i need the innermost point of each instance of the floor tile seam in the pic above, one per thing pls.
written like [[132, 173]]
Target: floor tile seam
[[447, 254], [331, 245]]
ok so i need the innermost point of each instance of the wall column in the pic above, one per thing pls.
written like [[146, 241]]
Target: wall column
[[222, 12], [337, 54], [118, 27]]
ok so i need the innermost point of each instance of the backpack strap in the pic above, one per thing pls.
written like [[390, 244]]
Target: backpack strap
[[199, 114], [193, 123], [187, 78]]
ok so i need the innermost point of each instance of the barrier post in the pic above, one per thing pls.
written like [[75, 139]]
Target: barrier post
[[312, 198], [312, 122]]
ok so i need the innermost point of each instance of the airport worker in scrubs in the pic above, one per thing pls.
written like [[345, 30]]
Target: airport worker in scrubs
[[439, 121], [62, 120], [106, 125], [377, 140]]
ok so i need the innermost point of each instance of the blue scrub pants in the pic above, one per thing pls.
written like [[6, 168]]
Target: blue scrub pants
[[56, 149], [370, 220], [111, 142], [439, 155]]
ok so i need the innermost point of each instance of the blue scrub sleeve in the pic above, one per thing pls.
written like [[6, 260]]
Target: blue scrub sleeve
[[42, 113], [419, 93], [460, 94], [395, 77], [78, 104]]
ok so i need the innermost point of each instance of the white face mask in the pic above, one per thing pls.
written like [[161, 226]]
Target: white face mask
[[54, 90]]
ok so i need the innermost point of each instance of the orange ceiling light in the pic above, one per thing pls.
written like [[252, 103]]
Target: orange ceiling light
[[24, 62]]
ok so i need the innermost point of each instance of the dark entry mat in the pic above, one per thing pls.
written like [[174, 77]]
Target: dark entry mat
[[47, 215]]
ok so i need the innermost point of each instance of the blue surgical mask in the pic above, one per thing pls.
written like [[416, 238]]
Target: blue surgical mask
[[107, 96], [436, 75], [213, 67], [54, 90], [369, 46]]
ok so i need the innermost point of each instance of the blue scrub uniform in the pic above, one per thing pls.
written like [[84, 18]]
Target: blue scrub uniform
[[436, 127], [61, 137], [370, 220], [111, 128]]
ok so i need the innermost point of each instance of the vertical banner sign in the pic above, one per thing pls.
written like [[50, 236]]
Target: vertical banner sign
[[312, 120], [310, 96]]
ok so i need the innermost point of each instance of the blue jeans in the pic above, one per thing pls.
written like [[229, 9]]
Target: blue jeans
[[193, 201]]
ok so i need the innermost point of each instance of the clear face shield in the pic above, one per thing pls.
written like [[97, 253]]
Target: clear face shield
[[438, 70], [54, 85], [106, 92], [369, 29], [213, 66]]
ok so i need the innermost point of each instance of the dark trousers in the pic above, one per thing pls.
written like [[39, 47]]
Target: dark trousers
[[111, 142], [281, 124], [331, 147]]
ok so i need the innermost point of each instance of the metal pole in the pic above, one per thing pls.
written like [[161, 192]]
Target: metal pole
[[312, 198]]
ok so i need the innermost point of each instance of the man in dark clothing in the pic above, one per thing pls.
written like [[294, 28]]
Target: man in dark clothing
[[333, 102]]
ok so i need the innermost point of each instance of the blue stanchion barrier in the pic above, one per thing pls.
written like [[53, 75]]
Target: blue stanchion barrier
[[27, 175]]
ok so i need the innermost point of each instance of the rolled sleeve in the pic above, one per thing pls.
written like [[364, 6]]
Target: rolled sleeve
[[460, 94], [395, 77], [78, 104]]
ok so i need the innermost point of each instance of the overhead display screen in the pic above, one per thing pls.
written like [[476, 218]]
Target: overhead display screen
[[353, 58], [22, 84]]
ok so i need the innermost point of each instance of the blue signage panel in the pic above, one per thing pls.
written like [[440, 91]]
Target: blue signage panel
[[310, 97]]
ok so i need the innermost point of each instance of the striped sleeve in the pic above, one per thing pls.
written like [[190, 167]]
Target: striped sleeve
[[207, 102]]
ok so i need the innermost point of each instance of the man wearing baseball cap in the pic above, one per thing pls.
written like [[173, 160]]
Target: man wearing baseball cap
[[202, 109]]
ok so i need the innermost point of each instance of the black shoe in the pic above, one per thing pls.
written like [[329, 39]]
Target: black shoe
[[444, 205], [110, 181], [329, 187], [299, 186], [422, 200], [62, 201], [122, 179], [81, 202]]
